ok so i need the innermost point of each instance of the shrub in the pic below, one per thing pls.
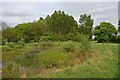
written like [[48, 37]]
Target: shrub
[[18, 47], [46, 38], [103, 38], [78, 38], [70, 36], [2, 41], [59, 37], [10, 44], [6, 48], [21, 43], [27, 39], [84, 44], [69, 46]]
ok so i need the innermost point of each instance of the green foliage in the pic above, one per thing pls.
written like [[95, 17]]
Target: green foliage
[[10, 44], [46, 38], [118, 39], [77, 38], [100, 66], [70, 36], [59, 27], [30, 57], [105, 32], [69, 46], [31, 31], [21, 43], [6, 48], [9, 34], [61, 23], [85, 44], [2, 41], [59, 37], [86, 25]]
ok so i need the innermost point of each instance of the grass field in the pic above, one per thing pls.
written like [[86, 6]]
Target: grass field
[[60, 60]]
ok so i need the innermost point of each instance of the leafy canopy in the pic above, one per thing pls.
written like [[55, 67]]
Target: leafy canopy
[[105, 32], [86, 25]]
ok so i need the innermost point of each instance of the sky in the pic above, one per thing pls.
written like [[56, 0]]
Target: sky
[[14, 13], [119, 10]]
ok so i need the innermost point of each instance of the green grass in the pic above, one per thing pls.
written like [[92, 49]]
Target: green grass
[[51, 60], [101, 67]]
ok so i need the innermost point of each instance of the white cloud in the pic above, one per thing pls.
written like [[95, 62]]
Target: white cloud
[[16, 13], [105, 13], [103, 9]]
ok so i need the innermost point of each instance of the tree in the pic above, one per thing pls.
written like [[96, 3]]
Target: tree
[[3, 25], [61, 23], [86, 25], [105, 32], [31, 31], [118, 33], [9, 34], [41, 18]]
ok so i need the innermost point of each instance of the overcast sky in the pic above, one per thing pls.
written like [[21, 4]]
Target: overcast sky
[[14, 13]]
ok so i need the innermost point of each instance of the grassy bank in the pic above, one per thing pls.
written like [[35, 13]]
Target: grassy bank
[[61, 59]]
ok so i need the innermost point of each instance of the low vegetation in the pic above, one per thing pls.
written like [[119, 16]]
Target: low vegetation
[[63, 59]]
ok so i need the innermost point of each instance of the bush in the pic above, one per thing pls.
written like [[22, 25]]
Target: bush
[[103, 38], [46, 38], [27, 39], [78, 38], [10, 44], [6, 48], [2, 41], [70, 36], [21, 43], [73, 37], [59, 37], [69, 46], [18, 46], [85, 44]]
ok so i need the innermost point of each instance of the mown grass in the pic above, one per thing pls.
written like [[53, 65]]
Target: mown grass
[[61, 59]]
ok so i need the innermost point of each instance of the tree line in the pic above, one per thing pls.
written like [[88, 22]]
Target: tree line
[[60, 27]]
